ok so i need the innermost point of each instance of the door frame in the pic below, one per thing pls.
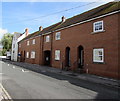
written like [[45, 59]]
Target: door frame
[[80, 57]]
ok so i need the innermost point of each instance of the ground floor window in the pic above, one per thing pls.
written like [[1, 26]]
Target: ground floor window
[[27, 55], [98, 55], [57, 54], [32, 54]]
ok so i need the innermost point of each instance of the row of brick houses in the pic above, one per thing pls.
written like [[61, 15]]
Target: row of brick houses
[[86, 43]]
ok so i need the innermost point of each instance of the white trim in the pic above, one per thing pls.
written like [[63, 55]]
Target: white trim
[[56, 34], [28, 43], [33, 41], [88, 20], [94, 55], [27, 54], [78, 23], [57, 54], [32, 55], [98, 22], [47, 38]]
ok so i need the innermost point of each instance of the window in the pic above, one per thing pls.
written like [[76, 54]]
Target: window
[[57, 55], [47, 38], [19, 45], [27, 55], [98, 55], [13, 45], [98, 26], [57, 37], [33, 41], [32, 54], [28, 43]]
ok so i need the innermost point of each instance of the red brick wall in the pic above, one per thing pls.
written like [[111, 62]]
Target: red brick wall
[[32, 47], [82, 35]]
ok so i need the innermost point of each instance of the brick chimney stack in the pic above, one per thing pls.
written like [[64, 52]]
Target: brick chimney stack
[[40, 28], [63, 18], [26, 31]]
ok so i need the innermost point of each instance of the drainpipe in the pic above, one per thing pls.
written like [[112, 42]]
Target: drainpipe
[[51, 47], [42, 42]]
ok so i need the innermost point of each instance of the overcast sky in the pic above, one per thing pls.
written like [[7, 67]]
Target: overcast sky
[[18, 14]]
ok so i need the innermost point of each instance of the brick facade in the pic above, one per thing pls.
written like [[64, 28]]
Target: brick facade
[[76, 39]]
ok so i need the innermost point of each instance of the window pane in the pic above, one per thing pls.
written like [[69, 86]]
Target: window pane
[[57, 55], [98, 26], [98, 55]]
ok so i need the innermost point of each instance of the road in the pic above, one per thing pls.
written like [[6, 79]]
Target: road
[[26, 84]]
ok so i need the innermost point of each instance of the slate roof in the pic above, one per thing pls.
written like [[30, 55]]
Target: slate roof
[[101, 10]]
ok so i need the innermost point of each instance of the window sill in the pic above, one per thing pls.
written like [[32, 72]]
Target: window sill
[[57, 60], [98, 62], [98, 32]]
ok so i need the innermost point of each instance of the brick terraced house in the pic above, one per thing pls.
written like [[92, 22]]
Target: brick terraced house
[[87, 43]]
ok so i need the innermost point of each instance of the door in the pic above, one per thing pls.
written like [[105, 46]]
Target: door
[[80, 57], [47, 55], [67, 57]]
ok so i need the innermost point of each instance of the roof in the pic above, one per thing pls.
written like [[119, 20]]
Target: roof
[[101, 10], [30, 36], [45, 30]]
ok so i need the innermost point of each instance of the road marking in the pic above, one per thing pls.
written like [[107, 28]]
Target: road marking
[[8, 64], [13, 66], [24, 70], [6, 95], [1, 73]]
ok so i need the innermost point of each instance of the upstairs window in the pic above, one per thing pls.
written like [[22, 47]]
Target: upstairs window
[[33, 41], [32, 54], [28, 43], [57, 36], [98, 26], [98, 55], [47, 38], [19, 45]]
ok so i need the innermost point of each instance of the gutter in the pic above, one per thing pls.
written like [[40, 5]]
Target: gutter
[[88, 20], [77, 24]]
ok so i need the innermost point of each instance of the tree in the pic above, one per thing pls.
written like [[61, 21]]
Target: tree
[[6, 43]]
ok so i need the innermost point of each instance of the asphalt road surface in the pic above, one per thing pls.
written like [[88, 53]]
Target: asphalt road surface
[[25, 84]]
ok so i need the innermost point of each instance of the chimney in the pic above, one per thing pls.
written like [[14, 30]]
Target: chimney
[[63, 18], [26, 31], [40, 28]]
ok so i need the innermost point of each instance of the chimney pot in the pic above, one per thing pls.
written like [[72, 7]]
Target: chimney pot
[[63, 18], [40, 28], [26, 31]]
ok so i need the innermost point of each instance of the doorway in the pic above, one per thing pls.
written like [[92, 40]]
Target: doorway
[[24, 56], [67, 58], [80, 57], [47, 55]]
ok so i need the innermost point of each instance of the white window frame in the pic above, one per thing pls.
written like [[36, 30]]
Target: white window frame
[[98, 55], [57, 54], [28, 43], [47, 38], [32, 54], [58, 36], [33, 41], [27, 55], [19, 45], [95, 24]]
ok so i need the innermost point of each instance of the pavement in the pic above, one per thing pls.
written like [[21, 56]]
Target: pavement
[[88, 77]]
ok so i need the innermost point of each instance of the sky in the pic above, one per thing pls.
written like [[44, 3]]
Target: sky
[[16, 15]]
